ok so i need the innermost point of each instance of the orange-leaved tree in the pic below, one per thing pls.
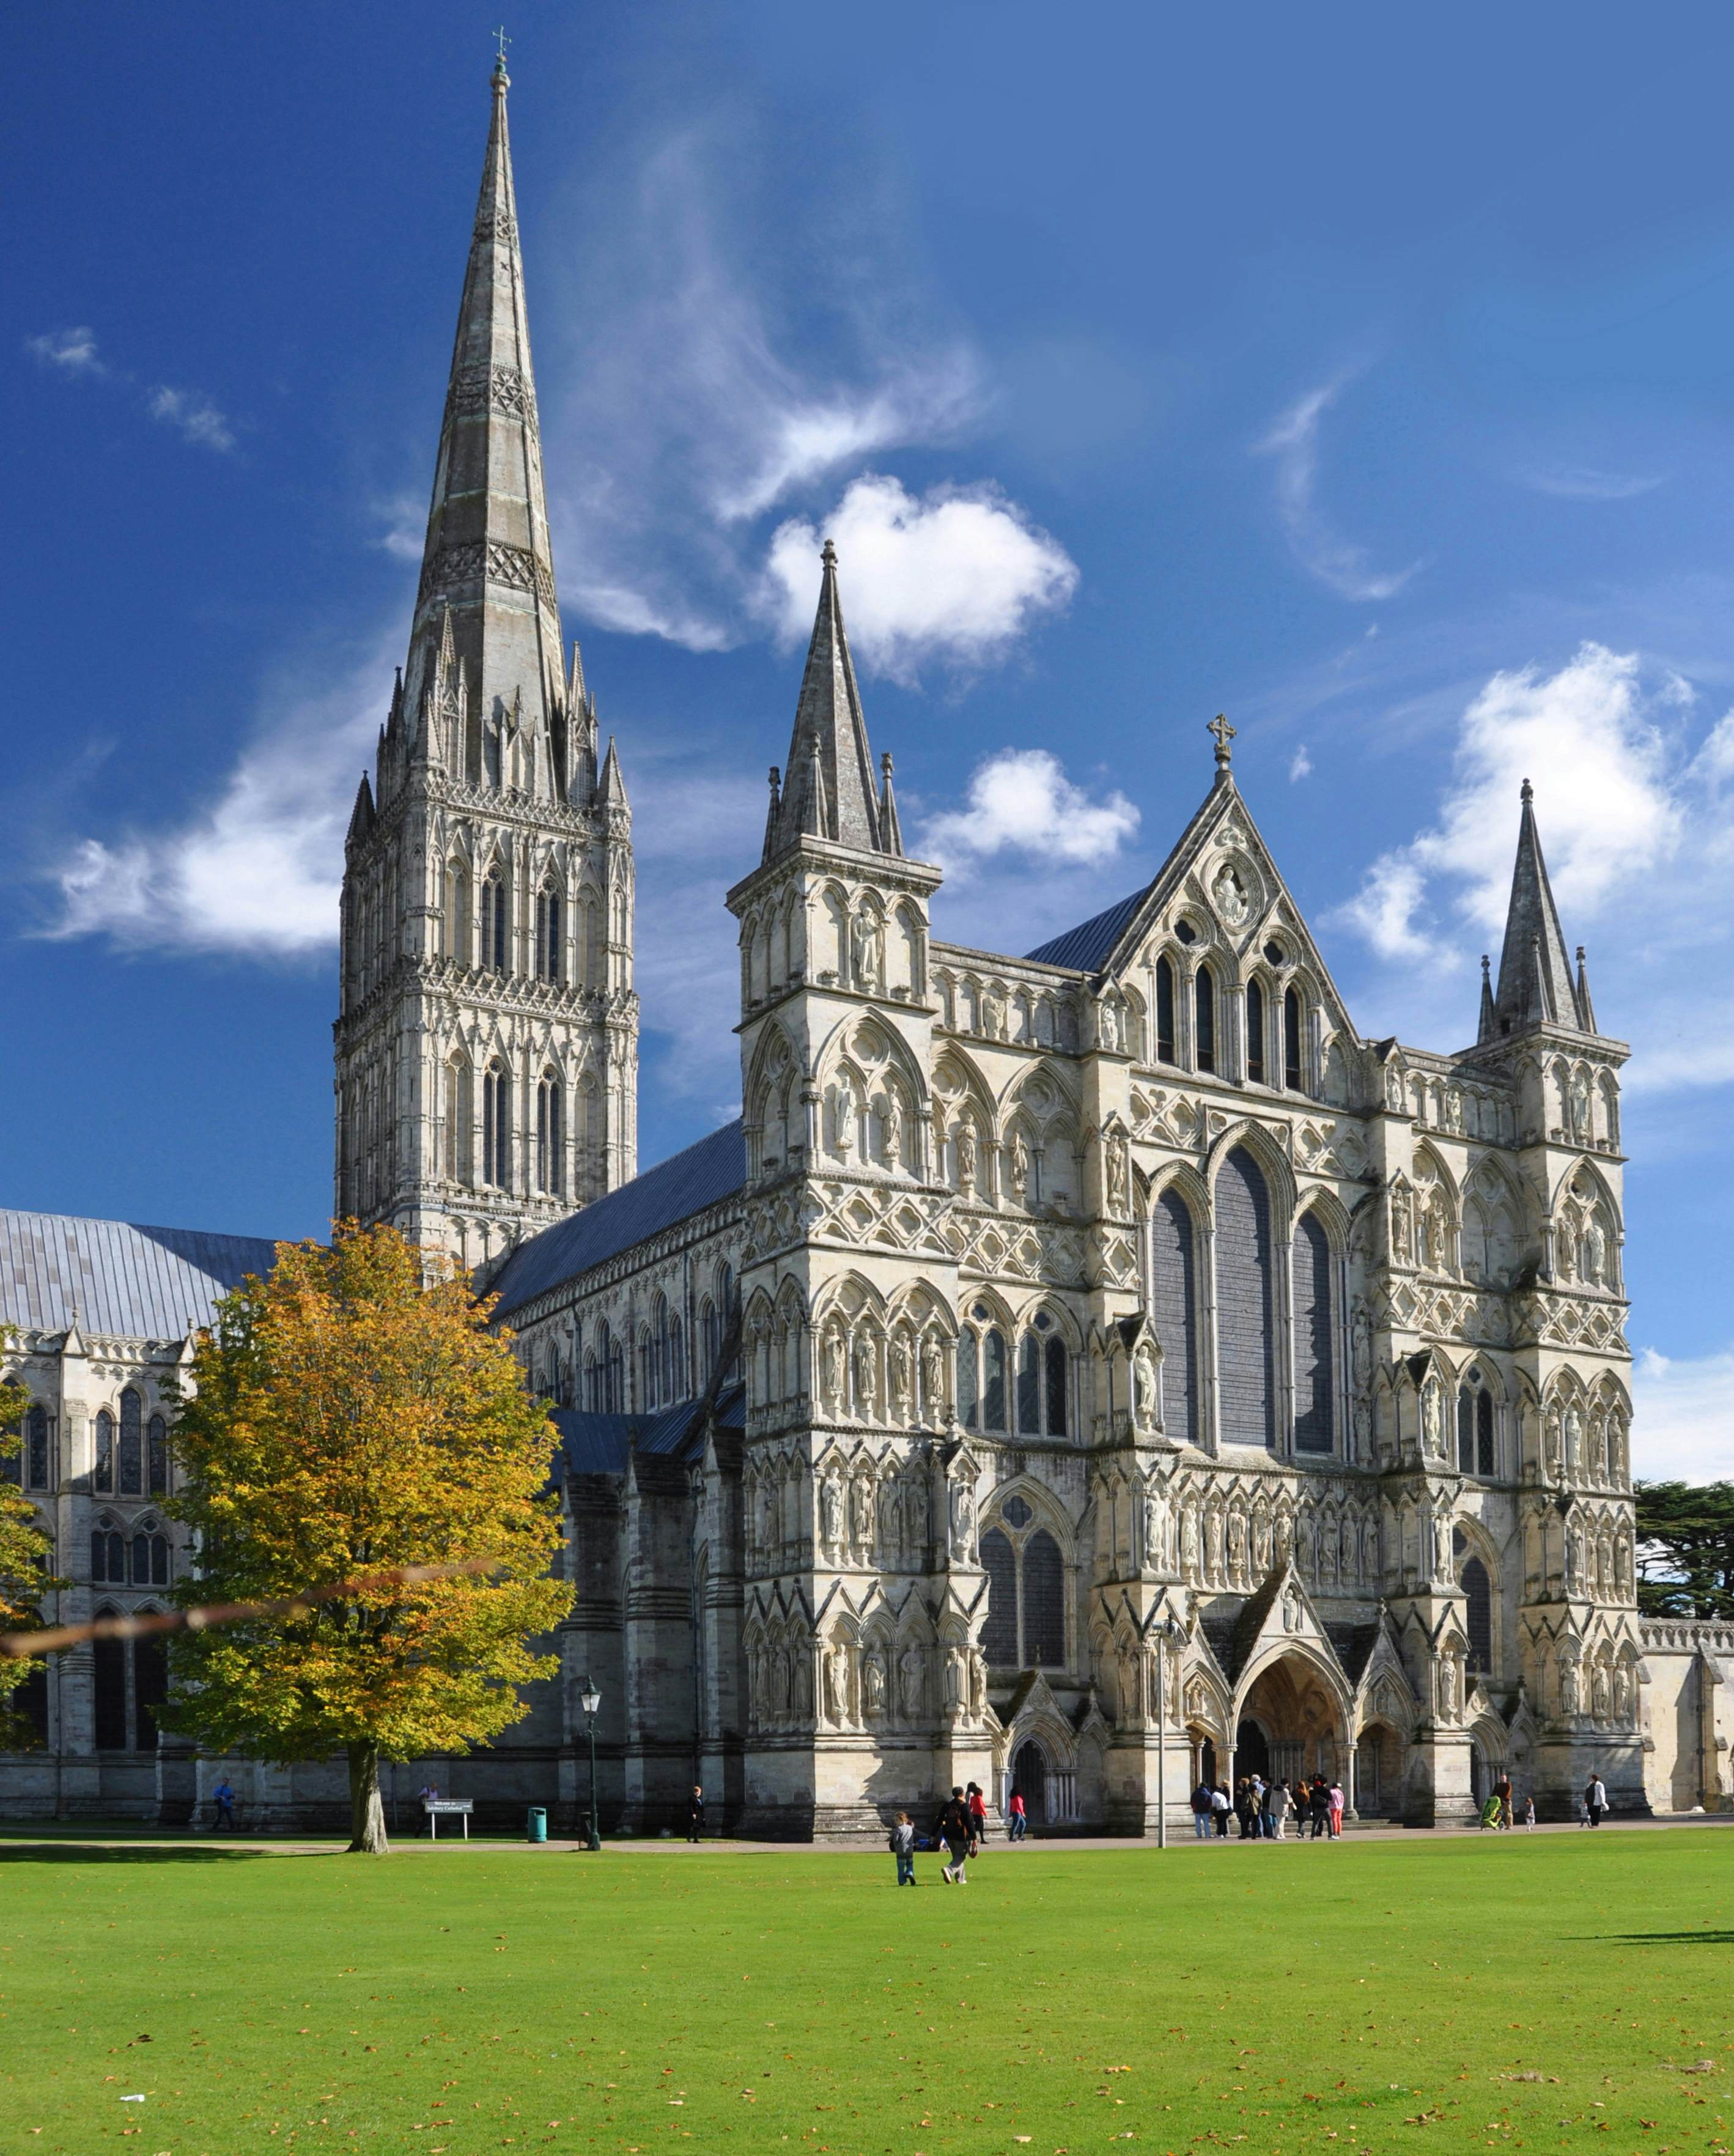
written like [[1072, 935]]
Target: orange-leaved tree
[[351, 1414], [23, 1558]]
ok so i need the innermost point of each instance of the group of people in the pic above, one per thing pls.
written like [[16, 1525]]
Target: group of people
[[1500, 1809], [960, 1829], [1264, 1808]]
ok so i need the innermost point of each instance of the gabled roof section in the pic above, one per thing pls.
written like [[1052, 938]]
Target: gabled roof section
[[673, 1191], [599, 1444], [131, 1282], [828, 790], [1089, 945]]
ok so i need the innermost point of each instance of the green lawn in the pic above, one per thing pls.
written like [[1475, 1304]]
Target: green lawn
[[1442, 1993]]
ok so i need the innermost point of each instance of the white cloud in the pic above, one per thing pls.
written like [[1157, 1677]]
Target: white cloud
[[1588, 738], [1586, 483], [956, 574], [1294, 443], [258, 870], [1683, 1417], [193, 416], [1300, 766], [1021, 801], [72, 351], [732, 384]]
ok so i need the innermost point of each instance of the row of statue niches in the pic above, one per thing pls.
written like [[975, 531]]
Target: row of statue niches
[[1596, 1558], [1572, 1683], [913, 1391], [856, 1684], [896, 1510], [1225, 1545]]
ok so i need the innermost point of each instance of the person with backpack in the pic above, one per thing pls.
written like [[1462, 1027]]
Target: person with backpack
[[1203, 1805], [1019, 1822], [902, 1846], [1318, 1806], [977, 1804], [954, 1833]]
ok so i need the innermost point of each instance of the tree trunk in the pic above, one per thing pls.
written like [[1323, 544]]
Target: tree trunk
[[367, 1814]]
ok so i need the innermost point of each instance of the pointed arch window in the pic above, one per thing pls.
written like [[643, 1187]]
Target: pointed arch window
[[1245, 1282], [38, 1467], [149, 1556], [496, 1127], [1475, 1450], [969, 1394], [494, 924], [993, 1380], [549, 943], [457, 912], [1205, 1020], [1025, 1627], [549, 1134], [109, 1685], [1291, 1041], [1315, 1328], [456, 1135], [1041, 1379], [1255, 1033], [1164, 1011], [999, 1635], [133, 1444], [108, 1556], [156, 1456], [1478, 1617], [103, 1473], [1173, 1312]]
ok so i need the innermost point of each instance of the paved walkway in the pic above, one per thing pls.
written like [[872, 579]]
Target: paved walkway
[[64, 1835]]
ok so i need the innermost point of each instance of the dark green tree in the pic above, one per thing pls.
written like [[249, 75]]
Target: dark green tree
[[1686, 1549]]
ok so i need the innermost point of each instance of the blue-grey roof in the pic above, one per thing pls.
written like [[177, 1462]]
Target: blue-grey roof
[[714, 1168], [597, 1443], [1087, 946], [133, 1282]]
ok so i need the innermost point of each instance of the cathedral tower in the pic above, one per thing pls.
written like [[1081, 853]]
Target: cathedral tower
[[487, 1044]]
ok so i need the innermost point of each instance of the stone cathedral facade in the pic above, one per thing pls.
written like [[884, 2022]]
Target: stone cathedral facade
[[1084, 1371]]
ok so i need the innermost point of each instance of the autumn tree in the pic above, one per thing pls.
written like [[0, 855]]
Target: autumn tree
[[351, 1414], [1685, 1548], [24, 1551]]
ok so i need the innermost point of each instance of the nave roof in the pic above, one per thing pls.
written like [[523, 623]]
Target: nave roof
[[599, 1444], [116, 1277], [671, 1192]]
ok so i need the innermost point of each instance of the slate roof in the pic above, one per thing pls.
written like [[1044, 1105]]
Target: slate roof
[[599, 1444], [713, 1169], [133, 1282], [1087, 946]]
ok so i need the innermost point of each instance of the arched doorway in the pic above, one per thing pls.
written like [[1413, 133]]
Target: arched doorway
[[1029, 1776], [1292, 1717], [1252, 1750]]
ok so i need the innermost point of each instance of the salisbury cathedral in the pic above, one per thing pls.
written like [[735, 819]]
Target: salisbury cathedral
[[1085, 1371]]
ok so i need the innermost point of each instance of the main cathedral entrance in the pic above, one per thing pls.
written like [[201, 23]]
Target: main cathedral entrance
[[1291, 1725]]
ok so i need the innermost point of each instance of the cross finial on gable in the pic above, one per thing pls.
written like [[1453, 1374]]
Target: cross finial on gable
[[503, 41], [1223, 733]]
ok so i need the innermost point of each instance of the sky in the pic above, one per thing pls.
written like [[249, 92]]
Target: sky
[[1366, 376]]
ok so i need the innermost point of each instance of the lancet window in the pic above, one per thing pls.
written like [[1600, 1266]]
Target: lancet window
[[549, 1134], [1291, 1040], [1255, 1033], [1205, 1020], [1245, 1286], [1041, 1387], [156, 1456], [981, 1373], [1173, 1312], [103, 1470], [133, 1444], [1025, 1627], [497, 1126], [1164, 1011], [494, 925], [550, 945], [38, 1466], [1475, 1453], [1315, 1331]]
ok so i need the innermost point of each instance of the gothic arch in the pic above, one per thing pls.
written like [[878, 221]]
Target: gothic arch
[[1254, 1138]]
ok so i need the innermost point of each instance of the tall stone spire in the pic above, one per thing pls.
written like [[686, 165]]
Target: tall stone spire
[[1535, 978], [829, 792], [488, 559]]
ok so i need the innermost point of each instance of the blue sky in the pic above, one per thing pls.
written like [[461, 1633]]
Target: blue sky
[[1370, 378]]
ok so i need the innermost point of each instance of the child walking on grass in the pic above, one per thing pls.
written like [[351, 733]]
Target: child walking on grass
[[903, 1848]]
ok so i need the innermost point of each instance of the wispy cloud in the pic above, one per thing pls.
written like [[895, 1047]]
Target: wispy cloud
[[1300, 765], [1586, 483], [957, 574], [189, 411], [1683, 1420], [73, 351], [257, 869], [1293, 445], [1021, 802], [733, 386]]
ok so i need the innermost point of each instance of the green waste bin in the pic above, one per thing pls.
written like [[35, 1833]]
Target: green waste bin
[[535, 1827]]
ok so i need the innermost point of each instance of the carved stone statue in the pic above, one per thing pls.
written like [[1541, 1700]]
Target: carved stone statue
[[912, 1682], [1449, 1688], [962, 1514], [865, 951], [901, 1364], [1621, 1692], [1551, 1439], [1155, 1526], [860, 1511], [1118, 1174], [1580, 1107], [866, 1378], [836, 1373], [835, 1674], [891, 1128], [1600, 1699], [1237, 1546], [1144, 1387], [1400, 1226], [873, 1684], [994, 1015], [1432, 1440], [1232, 903], [1595, 1253], [977, 1683], [1189, 1542], [951, 1673], [1019, 1165], [1570, 1699], [843, 1109], [933, 1380], [1574, 1440], [966, 1152], [1393, 1087], [830, 1512], [1107, 1028]]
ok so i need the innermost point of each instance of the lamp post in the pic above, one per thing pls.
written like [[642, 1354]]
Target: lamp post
[[590, 1699], [1165, 1631]]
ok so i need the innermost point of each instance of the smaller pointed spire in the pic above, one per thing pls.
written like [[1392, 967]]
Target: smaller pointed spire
[[360, 817], [611, 787], [890, 831], [828, 713], [1586, 1008], [1534, 981], [776, 808], [576, 697], [813, 810], [1489, 1027]]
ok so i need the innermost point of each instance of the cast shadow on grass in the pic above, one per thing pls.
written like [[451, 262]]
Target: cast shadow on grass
[[97, 1852], [1703, 1938]]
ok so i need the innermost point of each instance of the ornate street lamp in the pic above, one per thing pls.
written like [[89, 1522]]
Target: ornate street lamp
[[590, 1699]]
